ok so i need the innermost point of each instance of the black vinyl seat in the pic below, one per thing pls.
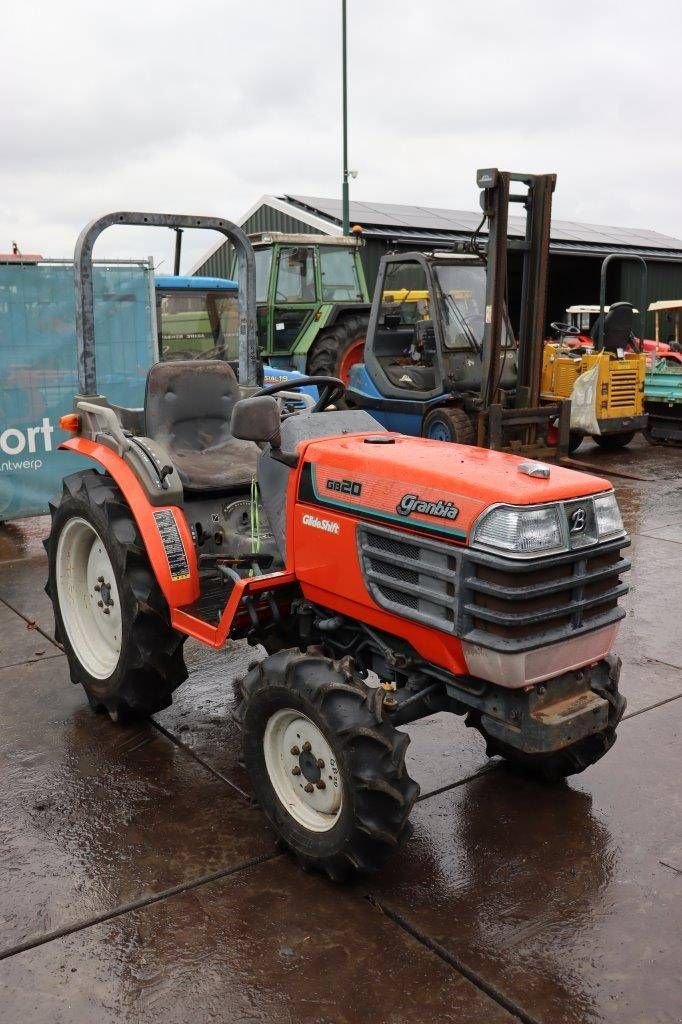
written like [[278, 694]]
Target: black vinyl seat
[[188, 406], [618, 324], [413, 377]]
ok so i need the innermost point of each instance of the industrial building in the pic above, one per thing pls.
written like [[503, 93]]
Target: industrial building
[[576, 249]]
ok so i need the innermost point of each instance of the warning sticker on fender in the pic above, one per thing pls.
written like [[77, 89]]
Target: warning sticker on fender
[[173, 546]]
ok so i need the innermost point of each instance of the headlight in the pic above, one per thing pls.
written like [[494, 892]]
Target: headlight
[[609, 521], [522, 532]]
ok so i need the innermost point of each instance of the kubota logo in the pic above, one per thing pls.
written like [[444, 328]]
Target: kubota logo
[[578, 519]]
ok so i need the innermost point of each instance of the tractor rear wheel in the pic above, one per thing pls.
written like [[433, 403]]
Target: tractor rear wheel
[[612, 442], [326, 767], [110, 615], [338, 348], [448, 423], [559, 764]]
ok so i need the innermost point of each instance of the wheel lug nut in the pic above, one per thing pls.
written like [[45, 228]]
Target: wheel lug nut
[[97, 587], [295, 770], [107, 612], [321, 784], [295, 751], [100, 604], [320, 763], [100, 579], [309, 788], [306, 747]]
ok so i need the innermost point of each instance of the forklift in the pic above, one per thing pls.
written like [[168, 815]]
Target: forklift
[[602, 375], [441, 359]]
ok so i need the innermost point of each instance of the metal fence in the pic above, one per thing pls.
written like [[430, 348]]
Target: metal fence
[[38, 376]]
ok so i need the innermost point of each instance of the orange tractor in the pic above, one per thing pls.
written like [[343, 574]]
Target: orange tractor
[[387, 577]]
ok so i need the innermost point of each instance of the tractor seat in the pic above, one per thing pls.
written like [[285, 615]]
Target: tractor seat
[[618, 324], [411, 376], [188, 406]]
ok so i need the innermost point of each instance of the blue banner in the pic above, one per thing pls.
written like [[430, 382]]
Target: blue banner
[[38, 376]]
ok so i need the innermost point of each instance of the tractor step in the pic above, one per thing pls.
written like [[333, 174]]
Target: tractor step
[[215, 590]]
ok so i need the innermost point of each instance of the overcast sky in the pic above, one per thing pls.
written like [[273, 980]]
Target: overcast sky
[[201, 108]]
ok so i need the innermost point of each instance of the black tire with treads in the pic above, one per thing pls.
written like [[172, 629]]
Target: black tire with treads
[[151, 663], [614, 442], [453, 422], [328, 349], [378, 794]]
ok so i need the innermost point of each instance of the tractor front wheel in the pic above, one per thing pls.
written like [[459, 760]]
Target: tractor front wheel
[[448, 423], [326, 766], [612, 442], [110, 615]]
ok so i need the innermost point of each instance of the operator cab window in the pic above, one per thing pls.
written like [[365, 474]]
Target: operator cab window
[[405, 342], [296, 275], [263, 264], [339, 275]]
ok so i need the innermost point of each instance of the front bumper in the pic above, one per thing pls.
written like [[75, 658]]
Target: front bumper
[[546, 718], [524, 668], [622, 424]]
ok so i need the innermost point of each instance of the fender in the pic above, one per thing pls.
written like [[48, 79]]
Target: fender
[[180, 586]]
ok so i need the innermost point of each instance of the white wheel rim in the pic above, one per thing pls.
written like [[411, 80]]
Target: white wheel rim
[[316, 807], [88, 598]]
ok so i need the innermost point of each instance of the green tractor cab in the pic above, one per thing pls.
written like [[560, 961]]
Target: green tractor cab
[[312, 302]]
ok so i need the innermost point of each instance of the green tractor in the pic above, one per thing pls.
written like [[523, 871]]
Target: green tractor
[[312, 302]]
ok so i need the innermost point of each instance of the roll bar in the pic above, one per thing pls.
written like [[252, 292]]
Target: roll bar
[[602, 293], [85, 316]]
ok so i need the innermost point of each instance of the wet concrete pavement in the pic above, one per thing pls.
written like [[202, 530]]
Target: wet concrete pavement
[[138, 884]]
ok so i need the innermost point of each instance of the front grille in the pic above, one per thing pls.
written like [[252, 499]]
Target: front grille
[[417, 579], [566, 376], [518, 605], [623, 389]]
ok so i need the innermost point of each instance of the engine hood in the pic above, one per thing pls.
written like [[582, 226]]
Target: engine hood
[[431, 485]]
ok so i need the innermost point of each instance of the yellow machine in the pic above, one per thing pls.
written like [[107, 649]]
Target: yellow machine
[[616, 389], [597, 366]]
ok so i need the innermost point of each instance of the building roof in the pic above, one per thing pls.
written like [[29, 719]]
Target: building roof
[[427, 225], [425, 222]]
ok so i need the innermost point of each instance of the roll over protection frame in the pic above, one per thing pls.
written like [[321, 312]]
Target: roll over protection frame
[[85, 316]]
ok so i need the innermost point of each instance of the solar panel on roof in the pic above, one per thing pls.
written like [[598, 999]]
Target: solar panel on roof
[[426, 218]]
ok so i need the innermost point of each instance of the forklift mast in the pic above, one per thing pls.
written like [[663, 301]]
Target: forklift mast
[[536, 201], [496, 198]]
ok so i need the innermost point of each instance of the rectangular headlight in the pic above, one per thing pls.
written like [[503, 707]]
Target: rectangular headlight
[[609, 521], [521, 532]]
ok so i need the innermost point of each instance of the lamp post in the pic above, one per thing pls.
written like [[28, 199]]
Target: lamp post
[[344, 192]]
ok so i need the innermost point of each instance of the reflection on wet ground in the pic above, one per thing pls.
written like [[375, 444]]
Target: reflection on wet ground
[[137, 882]]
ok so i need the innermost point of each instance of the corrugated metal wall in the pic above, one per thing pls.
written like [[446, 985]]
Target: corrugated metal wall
[[266, 218], [664, 282]]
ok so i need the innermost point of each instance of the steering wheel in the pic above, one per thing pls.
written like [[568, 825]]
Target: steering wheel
[[561, 328], [331, 389]]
